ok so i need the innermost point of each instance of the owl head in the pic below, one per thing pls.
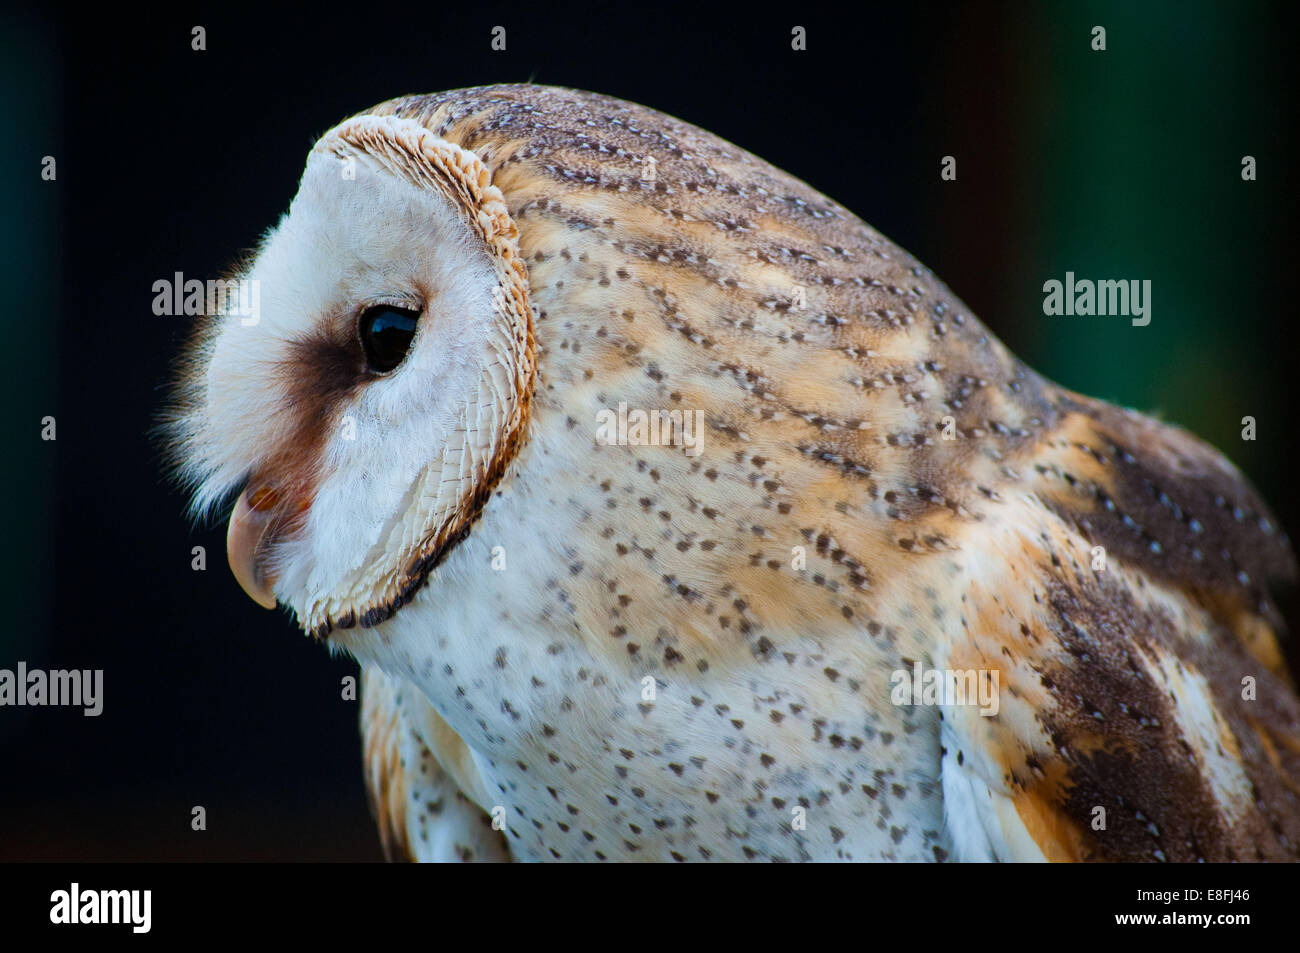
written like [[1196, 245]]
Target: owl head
[[362, 416]]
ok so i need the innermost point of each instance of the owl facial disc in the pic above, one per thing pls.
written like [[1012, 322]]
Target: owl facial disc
[[373, 406]]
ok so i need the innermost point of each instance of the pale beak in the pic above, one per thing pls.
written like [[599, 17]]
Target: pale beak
[[254, 517]]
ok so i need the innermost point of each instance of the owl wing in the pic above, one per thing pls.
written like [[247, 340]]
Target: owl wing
[[1118, 590], [420, 806]]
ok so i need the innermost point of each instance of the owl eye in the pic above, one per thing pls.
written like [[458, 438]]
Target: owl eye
[[386, 332]]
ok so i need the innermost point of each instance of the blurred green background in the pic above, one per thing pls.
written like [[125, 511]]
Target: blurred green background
[[30, 269]]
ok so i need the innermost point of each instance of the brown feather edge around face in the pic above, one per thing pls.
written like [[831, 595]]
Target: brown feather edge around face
[[409, 150]]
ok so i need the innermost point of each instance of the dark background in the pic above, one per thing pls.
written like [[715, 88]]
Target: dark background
[[1118, 164]]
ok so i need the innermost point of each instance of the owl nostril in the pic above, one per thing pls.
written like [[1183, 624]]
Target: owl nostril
[[263, 499]]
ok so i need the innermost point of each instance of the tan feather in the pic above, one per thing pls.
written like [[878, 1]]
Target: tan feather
[[385, 772]]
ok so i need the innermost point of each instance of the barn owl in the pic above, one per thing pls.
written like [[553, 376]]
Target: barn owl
[[716, 638]]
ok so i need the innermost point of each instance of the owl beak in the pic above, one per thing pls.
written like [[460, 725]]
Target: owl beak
[[250, 526]]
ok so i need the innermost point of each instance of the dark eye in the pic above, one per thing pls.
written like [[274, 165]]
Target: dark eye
[[386, 333]]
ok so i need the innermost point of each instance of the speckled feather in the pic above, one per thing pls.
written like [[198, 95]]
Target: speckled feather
[[828, 364]]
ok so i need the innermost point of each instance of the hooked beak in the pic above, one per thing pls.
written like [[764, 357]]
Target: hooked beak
[[252, 527]]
